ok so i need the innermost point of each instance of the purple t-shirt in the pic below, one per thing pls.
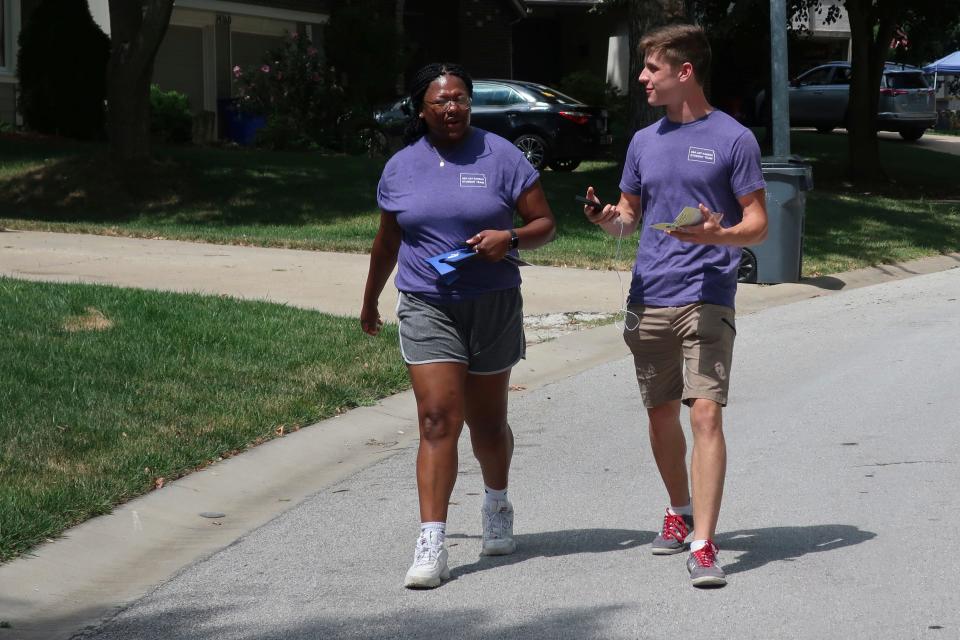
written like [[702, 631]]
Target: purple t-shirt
[[713, 160], [440, 207]]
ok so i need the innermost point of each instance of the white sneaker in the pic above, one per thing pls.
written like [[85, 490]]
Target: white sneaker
[[497, 530], [429, 566]]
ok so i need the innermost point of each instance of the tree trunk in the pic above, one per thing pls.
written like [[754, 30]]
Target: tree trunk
[[401, 81], [871, 28], [643, 16], [137, 27]]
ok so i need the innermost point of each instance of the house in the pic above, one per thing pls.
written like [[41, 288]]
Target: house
[[205, 39], [479, 34], [539, 40], [818, 41], [562, 36], [10, 20]]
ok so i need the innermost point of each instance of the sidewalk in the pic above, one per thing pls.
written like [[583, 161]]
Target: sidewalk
[[328, 282], [108, 562], [333, 282]]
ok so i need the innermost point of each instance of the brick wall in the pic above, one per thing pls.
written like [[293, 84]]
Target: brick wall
[[486, 38]]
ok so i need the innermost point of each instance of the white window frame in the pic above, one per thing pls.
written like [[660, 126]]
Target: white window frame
[[11, 27]]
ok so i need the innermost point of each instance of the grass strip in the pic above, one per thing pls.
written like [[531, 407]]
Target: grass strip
[[106, 391], [309, 201]]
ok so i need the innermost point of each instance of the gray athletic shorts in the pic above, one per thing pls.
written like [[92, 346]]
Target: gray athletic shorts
[[485, 333]]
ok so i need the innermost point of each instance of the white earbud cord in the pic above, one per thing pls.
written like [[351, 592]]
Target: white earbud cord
[[622, 326]]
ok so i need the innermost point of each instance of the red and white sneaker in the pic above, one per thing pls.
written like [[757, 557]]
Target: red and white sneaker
[[675, 530], [703, 567]]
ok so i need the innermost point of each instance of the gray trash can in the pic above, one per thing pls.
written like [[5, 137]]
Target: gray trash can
[[780, 257]]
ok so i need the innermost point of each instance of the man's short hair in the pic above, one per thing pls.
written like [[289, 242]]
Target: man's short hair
[[679, 43]]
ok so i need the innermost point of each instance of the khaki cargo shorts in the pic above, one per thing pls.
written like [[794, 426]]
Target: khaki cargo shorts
[[681, 353]]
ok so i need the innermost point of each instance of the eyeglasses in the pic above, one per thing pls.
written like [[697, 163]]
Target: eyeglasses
[[460, 102]]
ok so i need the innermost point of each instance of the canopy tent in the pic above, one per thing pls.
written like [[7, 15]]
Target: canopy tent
[[945, 66]]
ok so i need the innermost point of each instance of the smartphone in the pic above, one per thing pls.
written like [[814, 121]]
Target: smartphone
[[590, 203]]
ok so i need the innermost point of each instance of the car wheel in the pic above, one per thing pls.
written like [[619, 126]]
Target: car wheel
[[564, 165], [911, 135], [534, 148], [747, 271], [824, 129]]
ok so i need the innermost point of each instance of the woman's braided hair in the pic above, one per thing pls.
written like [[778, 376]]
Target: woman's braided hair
[[416, 128]]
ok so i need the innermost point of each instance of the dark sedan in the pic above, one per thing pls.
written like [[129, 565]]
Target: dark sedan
[[552, 129]]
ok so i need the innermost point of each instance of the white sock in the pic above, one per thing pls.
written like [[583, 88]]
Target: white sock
[[435, 532], [492, 496], [686, 510], [696, 545]]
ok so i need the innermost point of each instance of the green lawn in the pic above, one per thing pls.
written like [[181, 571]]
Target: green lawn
[[105, 390], [311, 201]]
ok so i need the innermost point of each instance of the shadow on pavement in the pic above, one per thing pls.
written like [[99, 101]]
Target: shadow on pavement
[[825, 282], [786, 544], [550, 544], [216, 622]]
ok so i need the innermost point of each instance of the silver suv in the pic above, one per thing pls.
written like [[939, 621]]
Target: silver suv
[[819, 97]]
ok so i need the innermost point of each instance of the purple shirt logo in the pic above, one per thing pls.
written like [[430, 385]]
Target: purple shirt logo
[[473, 180], [696, 154]]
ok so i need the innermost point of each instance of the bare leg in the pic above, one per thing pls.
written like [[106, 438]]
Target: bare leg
[[670, 450], [490, 435], [708, 466], [439, 389]]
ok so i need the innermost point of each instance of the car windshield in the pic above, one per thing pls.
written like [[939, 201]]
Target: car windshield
[[546, 94], [906, 81]]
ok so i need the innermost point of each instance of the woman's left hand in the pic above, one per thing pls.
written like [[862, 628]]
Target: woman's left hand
[[491, 244]]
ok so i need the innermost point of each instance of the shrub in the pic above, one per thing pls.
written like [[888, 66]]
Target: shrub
[[62, 68], [296, 94], [170, 117], [586, 86], [595, 91]]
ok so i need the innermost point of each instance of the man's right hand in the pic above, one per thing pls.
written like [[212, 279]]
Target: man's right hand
[[608, 214]]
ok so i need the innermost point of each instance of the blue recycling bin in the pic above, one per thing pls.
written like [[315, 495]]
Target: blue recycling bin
[[237, 125]]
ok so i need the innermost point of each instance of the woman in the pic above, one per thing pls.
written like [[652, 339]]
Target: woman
[[451, 184]]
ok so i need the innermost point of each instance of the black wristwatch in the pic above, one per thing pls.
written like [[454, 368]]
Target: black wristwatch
[[514, 239]]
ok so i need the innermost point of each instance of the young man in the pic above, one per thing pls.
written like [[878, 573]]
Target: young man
[[680, 321]]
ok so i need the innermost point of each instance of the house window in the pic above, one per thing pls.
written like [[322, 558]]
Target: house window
[[4, 36]]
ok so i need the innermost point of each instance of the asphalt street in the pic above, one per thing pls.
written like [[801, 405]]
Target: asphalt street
[[837, 518]]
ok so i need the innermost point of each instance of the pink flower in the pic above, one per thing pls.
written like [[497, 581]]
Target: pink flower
[[237, 72], [265, 68], [311, 51]]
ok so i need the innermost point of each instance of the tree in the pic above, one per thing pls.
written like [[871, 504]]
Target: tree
[[643, 16], [367, 73], [137, 27], [399, 9], [873, 24], [52, 101]]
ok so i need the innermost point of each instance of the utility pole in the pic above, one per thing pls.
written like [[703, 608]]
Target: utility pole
[[779, 81]]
